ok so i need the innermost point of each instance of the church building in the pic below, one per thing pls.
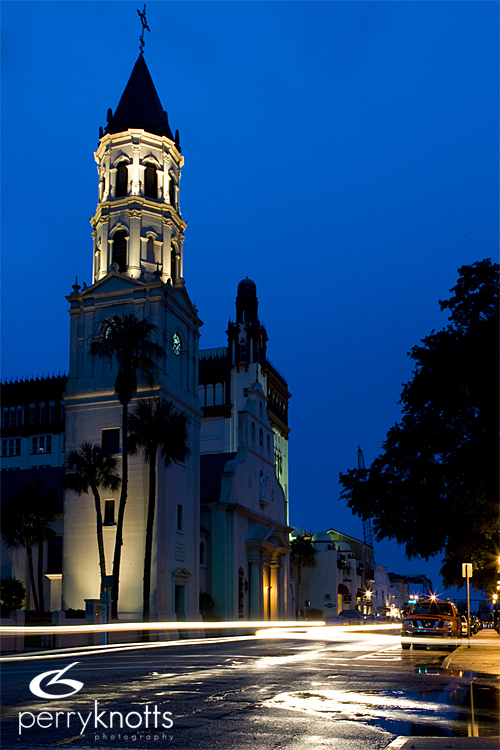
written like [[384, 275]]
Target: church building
[[221, 524], [138, 237]]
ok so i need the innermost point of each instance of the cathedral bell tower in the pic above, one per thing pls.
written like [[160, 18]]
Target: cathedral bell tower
[[247, 338], [137, 227]]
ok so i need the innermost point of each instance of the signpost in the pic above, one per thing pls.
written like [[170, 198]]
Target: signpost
[[467, 573]]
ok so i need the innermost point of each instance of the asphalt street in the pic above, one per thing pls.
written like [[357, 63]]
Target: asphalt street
[[264, 694]]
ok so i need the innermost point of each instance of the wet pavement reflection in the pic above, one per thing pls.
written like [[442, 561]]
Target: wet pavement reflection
[[469, 705]]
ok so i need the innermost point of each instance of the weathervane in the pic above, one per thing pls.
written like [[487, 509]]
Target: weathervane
[[142, 16]]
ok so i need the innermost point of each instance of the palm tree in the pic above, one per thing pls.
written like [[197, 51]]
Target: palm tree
[[26, 519], [156, 425], [128, 340], [303, 555], [90, 467]]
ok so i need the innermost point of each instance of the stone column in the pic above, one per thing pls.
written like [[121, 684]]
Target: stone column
[[256, 598], [275, 590]]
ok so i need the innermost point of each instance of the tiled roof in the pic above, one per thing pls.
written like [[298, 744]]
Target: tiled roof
[[140, 105]]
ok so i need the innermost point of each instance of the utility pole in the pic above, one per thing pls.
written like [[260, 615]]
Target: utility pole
[[367, 524]]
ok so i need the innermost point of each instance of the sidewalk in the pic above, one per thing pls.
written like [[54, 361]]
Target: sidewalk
[[483, 657]]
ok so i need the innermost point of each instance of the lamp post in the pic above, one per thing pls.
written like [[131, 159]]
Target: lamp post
[[467, 573]]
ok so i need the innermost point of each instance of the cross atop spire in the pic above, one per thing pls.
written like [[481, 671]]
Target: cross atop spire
[[142, 16]]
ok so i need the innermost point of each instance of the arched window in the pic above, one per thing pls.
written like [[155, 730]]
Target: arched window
[[173, 263], [261, 438], [253, 433], [210, 395], [32, 414], [52, 411], [150, 181], [268, 444], [12, 422], [172, 191], [120, 250], [5, 419], [201, 395], [42, 412], [219, 394], [150, 252], [121, 180], [19, 416]]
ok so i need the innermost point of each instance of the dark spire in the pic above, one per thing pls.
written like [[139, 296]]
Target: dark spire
[[140, 105], [246, 302]]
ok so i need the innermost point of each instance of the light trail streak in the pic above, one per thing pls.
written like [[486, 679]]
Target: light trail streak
[[290, 631], [127, 626]]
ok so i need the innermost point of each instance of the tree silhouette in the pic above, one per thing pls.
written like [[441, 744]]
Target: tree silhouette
[[435, 486], [26, 519], [156, 426], [128, 340], [89, 468]]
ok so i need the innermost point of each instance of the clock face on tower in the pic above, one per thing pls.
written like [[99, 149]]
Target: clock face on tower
[[176, 344]]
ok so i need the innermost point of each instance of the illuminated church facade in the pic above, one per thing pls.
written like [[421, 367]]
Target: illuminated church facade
[[221, 525]]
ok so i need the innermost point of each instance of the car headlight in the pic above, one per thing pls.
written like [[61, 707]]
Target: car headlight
[[408, 623], [446, 624]]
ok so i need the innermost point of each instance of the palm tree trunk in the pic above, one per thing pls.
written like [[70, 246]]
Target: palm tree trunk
[[149, 538], [41, 597], [100, 539], [29, 552], [121, 513]]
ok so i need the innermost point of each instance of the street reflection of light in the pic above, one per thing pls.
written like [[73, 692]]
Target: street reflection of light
[[358, 706]]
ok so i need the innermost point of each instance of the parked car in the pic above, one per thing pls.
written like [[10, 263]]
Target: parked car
[[431, 619], [335, 620], [464, 624], [352, 616]]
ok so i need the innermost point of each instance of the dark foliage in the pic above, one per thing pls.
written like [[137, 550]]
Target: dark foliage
[[435, 486], [12, 595]]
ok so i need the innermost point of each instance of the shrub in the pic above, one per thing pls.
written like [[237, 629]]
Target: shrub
[[12, 594]]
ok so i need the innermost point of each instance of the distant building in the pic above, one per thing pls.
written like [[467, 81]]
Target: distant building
[[403, 586], [342, 576]]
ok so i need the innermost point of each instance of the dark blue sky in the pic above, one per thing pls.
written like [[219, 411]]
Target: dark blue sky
[[344, 155]]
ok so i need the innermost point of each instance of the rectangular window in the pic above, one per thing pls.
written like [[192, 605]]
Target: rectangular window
[[109, 513], [11, 447], [41, 444], [111, 440], [179, 518]]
